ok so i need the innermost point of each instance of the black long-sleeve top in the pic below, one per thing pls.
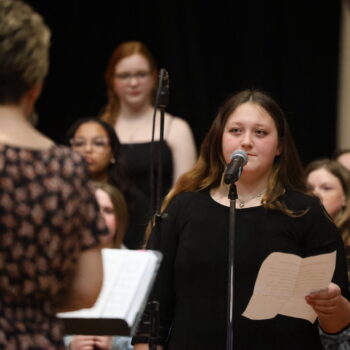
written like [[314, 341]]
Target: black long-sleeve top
[[192, 282]]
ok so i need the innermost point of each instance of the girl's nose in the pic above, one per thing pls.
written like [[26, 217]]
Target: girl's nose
[[134, 80], [246, 139], [87, 147], [316, 192]]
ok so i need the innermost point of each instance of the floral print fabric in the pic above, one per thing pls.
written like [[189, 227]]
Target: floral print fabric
[[48, 215]]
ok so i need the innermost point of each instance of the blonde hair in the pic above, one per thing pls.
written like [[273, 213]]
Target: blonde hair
[[120, 210], [24, 49]]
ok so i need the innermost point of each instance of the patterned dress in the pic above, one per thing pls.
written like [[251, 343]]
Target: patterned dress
[[48, 215]]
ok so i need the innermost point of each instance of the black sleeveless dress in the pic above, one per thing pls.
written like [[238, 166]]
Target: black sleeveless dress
[[138, 159]]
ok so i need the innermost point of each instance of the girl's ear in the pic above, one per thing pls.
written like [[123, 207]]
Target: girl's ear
[[278, 150]]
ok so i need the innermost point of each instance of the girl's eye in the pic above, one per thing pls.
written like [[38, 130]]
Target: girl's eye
[[261, 132], [107, 210], [235, 130]]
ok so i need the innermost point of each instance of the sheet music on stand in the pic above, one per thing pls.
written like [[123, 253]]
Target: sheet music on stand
[[128, 280]]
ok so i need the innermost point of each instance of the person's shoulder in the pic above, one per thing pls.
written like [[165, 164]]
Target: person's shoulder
[[43, 141], [65, 152], [176, 124], [299, 201], [179, 122], [185, 198], [184, 204], [302, 197], [72, 163]]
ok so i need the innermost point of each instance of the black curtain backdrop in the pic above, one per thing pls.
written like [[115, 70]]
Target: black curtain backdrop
[[210, 49]]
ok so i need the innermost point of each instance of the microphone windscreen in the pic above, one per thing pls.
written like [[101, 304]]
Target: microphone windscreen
[[242, 154]]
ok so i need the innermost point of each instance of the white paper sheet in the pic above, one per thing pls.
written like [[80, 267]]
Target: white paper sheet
[[127, 278], [283, 282]]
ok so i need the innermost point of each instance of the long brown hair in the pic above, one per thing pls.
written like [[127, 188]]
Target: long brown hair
[[120, 210], [124, 50], [343, 175], [287, 172]]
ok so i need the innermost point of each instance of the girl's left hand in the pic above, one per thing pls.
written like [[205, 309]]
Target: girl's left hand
[[326, 301]]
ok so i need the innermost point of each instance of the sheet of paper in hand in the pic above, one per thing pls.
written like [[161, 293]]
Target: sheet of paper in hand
[[283, 282]]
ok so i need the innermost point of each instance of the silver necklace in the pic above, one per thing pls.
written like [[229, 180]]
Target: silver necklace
[[242, 203]]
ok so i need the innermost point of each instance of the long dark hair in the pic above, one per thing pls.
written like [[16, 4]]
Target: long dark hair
[[115, 171]]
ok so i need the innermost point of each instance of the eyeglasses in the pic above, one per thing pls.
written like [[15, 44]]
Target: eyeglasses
[[126, 77], [98, 143]]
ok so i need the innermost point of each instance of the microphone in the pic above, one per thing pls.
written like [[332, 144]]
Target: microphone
[[163, 89], [234, 169]]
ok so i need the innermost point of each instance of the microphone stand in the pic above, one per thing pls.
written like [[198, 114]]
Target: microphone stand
[[162, 99], [232, 195], [154, 324]]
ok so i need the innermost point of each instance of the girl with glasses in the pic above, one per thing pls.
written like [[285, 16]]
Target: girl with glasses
[[131, 78], [98, 143]]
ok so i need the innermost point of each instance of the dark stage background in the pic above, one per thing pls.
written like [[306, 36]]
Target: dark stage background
[[210, 48]]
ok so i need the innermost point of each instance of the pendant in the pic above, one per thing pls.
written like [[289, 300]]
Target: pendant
[[241, 204]]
